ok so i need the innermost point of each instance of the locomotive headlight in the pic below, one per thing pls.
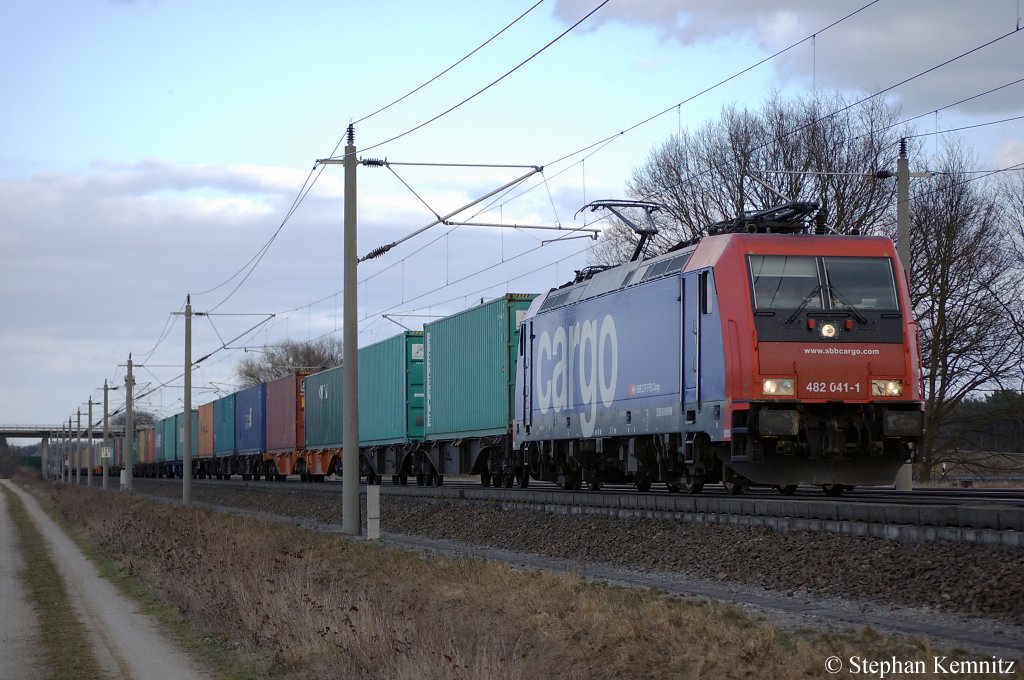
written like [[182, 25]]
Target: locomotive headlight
[[886, 388], [777, 387], [828, 330]]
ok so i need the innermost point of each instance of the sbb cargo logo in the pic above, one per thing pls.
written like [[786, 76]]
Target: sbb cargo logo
[[577, 365]]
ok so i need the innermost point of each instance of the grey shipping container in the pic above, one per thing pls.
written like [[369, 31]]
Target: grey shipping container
[[469, 370]]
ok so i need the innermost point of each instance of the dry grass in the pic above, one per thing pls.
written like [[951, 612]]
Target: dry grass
[[302, 604]]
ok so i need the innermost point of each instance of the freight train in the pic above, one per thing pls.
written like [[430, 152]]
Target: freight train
[[767, 353]]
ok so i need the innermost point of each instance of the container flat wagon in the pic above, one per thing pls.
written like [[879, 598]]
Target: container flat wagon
[[469, 381]]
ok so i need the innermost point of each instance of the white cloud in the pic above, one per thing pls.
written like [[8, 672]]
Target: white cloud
[[1009, 153], [876, 48]]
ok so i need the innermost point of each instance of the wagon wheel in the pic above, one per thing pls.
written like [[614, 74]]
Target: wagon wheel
[[786, 489], [594, 484], [833, 490], [643, 483]]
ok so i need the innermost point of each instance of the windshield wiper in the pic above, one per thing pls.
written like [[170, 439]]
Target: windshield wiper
[[846, 305], [803, 303]]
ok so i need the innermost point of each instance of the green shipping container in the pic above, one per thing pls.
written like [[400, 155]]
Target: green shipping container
[[391, 390], [322, 414], [170, 439], [470, 361]]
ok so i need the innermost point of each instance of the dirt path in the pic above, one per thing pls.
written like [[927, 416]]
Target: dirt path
[[20, 647], [127, 644]]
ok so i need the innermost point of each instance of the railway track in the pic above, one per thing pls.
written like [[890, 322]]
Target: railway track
[[991, 516], [919, 496]]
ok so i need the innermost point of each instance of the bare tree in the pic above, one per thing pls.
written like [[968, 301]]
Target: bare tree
[[704, 176], [139, 418], [289, 357], [966, 294]]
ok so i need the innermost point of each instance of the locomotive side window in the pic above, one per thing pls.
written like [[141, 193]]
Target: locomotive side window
[[705, 294], [863, 282], [785, 282]]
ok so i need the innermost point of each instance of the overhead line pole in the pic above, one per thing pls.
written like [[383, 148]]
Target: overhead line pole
[[129, 427], [106, 434], [186, 456], [350, 350], [88, 470], [78, 448], [350, 343], [905, 476], [69, 451]]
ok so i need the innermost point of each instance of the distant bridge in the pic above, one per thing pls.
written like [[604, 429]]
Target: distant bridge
[[53, 431]]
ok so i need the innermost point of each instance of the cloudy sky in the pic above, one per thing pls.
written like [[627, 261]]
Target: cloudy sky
[[151, 149]]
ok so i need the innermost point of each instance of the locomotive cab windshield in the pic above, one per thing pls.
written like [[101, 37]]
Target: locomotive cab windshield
[[787, 282]]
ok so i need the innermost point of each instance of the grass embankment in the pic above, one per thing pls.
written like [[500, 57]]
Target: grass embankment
[[68, 649], [282, 602]]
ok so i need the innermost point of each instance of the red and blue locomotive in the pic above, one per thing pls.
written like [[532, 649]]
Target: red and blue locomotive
[[767, 353]]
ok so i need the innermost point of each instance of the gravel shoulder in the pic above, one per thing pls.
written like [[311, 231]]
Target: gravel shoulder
[[20, 646], [127, 644]]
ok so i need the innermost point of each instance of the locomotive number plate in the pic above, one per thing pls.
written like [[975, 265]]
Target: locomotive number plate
[[822, 387]]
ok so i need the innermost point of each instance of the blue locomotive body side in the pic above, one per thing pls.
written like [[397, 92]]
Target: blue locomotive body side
[[637, 360]]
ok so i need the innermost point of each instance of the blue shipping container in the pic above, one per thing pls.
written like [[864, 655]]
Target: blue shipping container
[[250, 414]]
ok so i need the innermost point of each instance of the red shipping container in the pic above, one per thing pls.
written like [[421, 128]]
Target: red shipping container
[[285, 425]]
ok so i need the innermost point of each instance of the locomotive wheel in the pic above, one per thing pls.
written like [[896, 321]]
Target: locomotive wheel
[[643, 483], [498, 480], [578, 483], [787, 489], [420, 480], [735, 485], [833, 490], [485, 479], [693, 483], [509, 480], [403, 479], [523, 479], [394, 480], [568, 483], [440, 480]]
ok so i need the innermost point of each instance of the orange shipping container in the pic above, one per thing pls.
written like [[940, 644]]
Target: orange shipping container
[[206, 430]]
